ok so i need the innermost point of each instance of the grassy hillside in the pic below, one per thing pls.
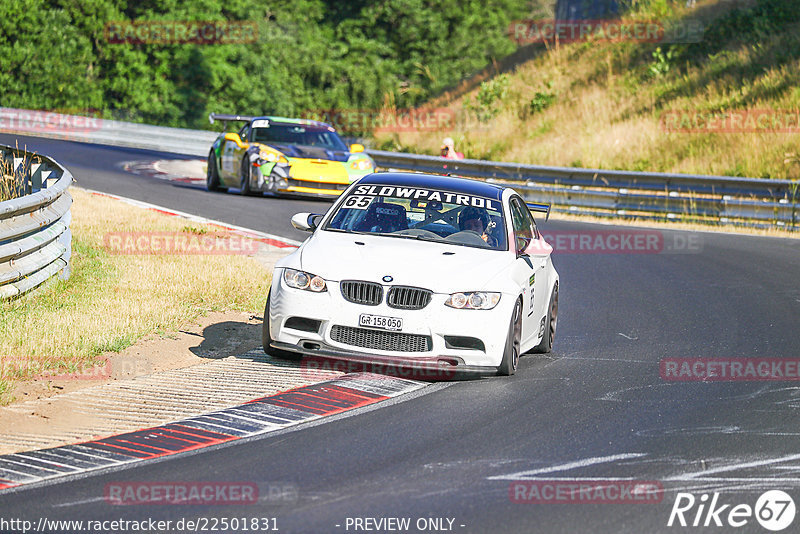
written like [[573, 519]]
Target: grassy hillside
[[601, 104]]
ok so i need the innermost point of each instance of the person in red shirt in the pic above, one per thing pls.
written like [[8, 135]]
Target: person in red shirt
[[448, 149]]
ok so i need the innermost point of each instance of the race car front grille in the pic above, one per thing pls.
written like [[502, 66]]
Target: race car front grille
[[408, 298], [380, 340], [317, 185], [358, 292]]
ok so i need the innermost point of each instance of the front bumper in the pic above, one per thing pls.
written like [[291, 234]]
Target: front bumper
[[417, 368], [437, 322], [283, 178]]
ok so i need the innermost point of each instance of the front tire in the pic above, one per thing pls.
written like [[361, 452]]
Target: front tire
[[246, 170], [266, 339], [546, 345], [511, 353]]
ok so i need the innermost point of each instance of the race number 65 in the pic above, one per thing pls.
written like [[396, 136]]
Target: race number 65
[[357, 202]]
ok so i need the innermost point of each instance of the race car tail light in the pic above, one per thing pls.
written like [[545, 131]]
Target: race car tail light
[[358, 292], [303, 280], [477, 300], [408, 298]]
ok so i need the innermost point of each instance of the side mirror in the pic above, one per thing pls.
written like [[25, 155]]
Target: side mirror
[[521, 244], [307, 222], [234, 137], [356, 147]]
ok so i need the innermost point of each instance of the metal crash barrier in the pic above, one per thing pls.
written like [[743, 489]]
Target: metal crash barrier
[[35, 238]]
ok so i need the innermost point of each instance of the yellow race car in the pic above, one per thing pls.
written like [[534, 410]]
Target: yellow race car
[[283, 156]]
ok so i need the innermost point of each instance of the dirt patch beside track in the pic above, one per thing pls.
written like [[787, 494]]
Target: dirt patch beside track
[[214, 363]]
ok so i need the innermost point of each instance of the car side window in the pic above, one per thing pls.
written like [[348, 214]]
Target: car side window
[[522, 220], [244, 132], [533, 223]]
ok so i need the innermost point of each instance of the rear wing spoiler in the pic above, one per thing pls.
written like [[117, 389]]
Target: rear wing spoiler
[[225, 118], [541, 208]]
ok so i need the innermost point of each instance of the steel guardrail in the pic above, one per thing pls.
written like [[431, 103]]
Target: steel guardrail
[[725, 200], [753, 202], [35, 236]]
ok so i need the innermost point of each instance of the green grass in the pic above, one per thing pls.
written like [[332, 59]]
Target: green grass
[[112, 300]]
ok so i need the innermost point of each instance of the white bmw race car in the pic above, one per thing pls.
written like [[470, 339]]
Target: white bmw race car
[[419, 271]]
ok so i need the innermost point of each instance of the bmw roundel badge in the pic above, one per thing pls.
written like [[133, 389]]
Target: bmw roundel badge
[[387, 278]]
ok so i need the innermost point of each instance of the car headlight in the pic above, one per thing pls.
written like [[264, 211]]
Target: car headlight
[[476, 300], [272, 157], [304, 280], [361, 164]]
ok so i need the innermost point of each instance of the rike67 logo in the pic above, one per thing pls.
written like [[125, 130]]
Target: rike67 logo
[[774, 510]]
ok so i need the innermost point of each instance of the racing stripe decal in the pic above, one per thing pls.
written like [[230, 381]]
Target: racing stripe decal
[[256, 417]]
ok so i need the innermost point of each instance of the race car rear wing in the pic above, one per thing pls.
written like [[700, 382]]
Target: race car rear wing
[[225, 118], [542, 208]]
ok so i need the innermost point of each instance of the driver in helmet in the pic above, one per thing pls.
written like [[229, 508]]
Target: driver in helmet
[[478, 221]]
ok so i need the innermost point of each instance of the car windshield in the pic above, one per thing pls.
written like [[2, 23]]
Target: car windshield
[[425, 214], [296, 134]]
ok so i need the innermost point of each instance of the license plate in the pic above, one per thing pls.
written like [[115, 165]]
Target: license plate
[[380, 321]]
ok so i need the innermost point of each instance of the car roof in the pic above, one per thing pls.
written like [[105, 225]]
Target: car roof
[[287, 120], [435, 181]]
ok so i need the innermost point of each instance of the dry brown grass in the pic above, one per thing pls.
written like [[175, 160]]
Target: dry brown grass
[[606, 111], [7, 182], [112, 300]]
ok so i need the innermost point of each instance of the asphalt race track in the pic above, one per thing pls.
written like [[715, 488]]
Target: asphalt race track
[[99, 168], [595, 410]]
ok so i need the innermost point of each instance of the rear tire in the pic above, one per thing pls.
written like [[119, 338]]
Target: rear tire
[[212, 173], [266, 339], [546, 345], [511, 353]]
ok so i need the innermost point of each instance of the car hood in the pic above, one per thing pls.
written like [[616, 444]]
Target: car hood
[[442, 268], [311, 152]]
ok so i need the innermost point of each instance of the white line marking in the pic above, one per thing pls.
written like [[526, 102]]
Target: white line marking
[[567, 466], [616, 360], [700, 479], [746, 465], [194, 218], [57, 464], [75, 503]]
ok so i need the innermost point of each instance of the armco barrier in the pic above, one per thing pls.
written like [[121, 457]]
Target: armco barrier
[[604, 193], [717, 199], [35, 239], [106, 132]]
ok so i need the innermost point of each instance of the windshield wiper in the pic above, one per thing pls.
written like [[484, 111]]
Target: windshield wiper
[[410, 236]]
